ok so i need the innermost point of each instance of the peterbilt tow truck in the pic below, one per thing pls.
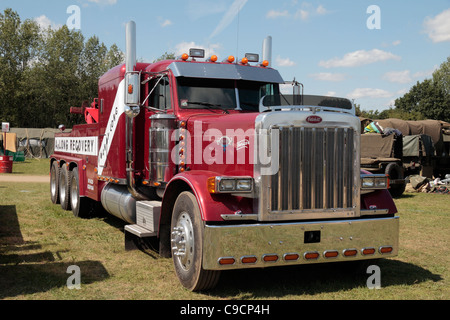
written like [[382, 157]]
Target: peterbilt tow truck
[[209, 158]]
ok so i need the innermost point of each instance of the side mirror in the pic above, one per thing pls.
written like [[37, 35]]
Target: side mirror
[[132, 94]]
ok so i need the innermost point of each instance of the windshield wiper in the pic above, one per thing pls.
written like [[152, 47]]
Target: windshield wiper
[[209, 105]]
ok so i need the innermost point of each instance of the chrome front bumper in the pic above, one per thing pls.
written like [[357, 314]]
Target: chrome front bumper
[[248, 246]]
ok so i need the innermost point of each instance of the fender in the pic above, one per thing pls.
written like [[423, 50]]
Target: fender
[[382, 199], [212, 206]]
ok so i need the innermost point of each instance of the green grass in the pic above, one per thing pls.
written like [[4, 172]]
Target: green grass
[[33, 167], [39, 241]]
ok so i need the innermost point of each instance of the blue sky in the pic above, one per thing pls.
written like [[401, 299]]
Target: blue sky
[[326, 45]]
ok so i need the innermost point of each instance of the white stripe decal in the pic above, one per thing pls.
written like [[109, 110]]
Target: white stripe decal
[[116, 111]]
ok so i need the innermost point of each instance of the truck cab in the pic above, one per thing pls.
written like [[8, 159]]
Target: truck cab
[[228, 173]]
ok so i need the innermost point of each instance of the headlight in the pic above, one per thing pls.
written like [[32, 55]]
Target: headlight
[[374, 181], [229, 184]]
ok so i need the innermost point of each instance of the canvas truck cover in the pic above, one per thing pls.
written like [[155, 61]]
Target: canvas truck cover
[[375, 145]]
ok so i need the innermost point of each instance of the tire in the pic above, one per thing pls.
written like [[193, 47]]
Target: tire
[[395, 172], [54, 183], [64, 188], [81, 206], [187, 245]]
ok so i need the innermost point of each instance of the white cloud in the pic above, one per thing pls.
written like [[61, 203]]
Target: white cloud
[[438, 27], [166, 23], [44, 23], [104, 2], [284, 62], [426, 73], [359, 58], [229, 16], [183, 47], [321, 10], [302, 14], [331, 94], [398, 76], [326, 76], [273, 14], [396, 42], [369, 93]]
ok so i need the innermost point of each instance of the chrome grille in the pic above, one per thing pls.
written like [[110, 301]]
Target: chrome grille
[[316, 170]]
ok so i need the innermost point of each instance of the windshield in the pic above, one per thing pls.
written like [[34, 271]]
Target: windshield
[[202, 93]]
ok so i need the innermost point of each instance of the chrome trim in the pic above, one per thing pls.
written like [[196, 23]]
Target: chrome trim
[[242, 217], [258, 239], [374, 212], [318, 173]]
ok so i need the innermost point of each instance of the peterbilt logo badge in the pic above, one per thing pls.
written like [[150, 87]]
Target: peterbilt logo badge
[[314, 119]]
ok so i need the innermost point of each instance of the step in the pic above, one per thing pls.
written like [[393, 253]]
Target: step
[[139, 231]]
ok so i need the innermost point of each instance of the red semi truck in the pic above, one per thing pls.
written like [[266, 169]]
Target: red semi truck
[[211, 159]]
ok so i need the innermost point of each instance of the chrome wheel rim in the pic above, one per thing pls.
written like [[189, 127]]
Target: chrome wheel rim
[[182, 239]]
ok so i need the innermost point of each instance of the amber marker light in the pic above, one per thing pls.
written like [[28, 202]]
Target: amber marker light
[[213, 58], [330, 254], [350, 252], [211, 185], [368, 251], [311, 255], [226, 261], [230, 59], [387, 249], [244, 61], [265, 63], [130, 89], [270, 258], [291, 257], [184, 56], [249, 259]]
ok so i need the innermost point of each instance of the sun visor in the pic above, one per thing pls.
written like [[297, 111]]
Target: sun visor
[[225, 71]]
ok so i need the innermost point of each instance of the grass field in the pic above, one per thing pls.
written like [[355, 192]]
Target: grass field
[[39, 241]]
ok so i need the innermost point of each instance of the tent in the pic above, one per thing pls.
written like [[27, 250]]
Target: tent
[[35, 143]]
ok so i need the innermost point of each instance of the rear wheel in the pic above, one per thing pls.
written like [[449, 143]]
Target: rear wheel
[[54, 182], [81, 206], [187, 245], [64, 187]]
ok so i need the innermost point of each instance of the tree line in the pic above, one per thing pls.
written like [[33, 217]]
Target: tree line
[[45, 72], [429, 99]]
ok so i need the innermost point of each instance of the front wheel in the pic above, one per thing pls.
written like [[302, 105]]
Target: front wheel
[[187, 245]]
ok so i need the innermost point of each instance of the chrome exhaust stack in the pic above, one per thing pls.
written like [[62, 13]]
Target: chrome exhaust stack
[[267, 50], [132, 105]]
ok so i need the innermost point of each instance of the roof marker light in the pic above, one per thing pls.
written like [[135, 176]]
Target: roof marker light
[[184, 56], [213, 58], [265, 63], [230, 59]]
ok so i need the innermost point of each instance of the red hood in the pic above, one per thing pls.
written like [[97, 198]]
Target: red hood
[[222, 143]]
